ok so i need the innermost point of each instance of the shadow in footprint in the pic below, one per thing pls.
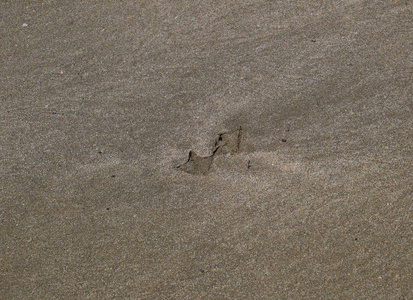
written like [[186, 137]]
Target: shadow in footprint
[[228, 142], [197, 165]]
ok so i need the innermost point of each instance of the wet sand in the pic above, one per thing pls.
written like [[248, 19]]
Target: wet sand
[[124, 174]]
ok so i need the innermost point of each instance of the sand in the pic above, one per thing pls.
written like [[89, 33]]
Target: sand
[[102, 102]]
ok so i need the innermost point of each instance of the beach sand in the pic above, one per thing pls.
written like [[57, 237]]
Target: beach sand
[[102, 102]]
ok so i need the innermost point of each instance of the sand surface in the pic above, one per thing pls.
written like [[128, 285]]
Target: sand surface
[[298, 118]]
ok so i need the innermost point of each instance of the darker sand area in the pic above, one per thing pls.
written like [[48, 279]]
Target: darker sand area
[[196, 149]]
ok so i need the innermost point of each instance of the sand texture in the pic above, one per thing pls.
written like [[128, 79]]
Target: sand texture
[[206, 149]]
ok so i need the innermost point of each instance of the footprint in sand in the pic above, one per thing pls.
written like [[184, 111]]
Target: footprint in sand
[[225, 143]]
